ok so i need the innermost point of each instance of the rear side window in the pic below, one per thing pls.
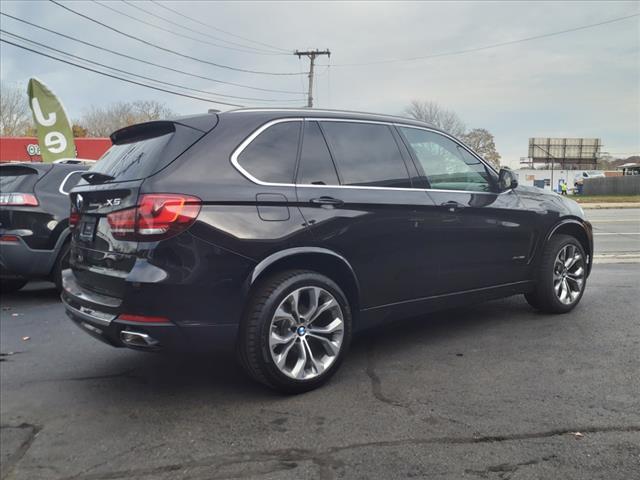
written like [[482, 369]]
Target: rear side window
[[366, 154], [316, 166], [17, 179], [271, 156], [70, 181]]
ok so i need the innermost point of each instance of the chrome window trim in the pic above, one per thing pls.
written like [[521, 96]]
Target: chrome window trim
[[64, 180], [238, 151]]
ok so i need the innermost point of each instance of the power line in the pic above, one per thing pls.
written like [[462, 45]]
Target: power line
[[124, 55], [218, 29], [199, 40], [168, 50], [487, 47], [260, 51], [119, 78], [138, 75]]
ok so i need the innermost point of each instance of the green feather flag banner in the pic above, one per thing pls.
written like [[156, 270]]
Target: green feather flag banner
[[55, 135]]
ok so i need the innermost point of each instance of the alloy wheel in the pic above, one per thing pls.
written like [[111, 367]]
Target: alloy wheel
[[568, 274], [306, 333]]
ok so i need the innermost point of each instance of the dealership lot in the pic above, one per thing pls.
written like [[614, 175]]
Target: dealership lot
[[493, 391]]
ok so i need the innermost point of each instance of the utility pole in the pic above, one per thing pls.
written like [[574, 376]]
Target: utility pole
[[312, 54]]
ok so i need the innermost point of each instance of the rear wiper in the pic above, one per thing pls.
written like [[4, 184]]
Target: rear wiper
[[95, 177]]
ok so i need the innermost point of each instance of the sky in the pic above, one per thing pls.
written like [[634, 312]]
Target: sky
[[584, 83]]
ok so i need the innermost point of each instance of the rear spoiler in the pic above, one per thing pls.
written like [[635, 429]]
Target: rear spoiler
[[157, 128]]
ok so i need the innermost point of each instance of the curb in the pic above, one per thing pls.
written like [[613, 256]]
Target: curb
[[617, 258], [594, 206]]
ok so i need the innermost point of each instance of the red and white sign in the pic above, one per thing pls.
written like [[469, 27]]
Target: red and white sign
[[26, 149]]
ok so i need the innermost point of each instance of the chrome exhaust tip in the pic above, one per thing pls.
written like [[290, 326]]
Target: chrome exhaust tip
[[137, 339]]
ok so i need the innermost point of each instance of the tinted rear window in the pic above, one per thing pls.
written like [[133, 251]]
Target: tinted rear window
[[138, 160], [271, 156], [17, 179], [366, 154]]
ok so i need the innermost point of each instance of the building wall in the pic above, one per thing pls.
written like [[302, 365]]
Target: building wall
[[622, 185], [536, 178], [26, 149]]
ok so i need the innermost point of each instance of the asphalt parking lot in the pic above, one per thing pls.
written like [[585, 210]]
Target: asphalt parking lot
[[494, 391]]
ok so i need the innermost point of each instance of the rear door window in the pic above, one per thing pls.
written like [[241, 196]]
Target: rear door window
[[366, 154], [316, 166], [271, 156]]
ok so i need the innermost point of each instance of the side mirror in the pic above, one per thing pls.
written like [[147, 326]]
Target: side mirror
[[507, 179]]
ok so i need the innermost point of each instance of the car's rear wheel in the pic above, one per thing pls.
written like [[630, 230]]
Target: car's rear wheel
[[296, 331], [561, 276], [12, 285]]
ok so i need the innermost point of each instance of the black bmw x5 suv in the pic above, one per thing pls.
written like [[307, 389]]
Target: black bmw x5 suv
[[282, 232]]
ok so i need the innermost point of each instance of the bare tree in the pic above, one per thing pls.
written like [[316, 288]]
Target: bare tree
[[482, 141], [15, 115], [102, 121], [436, 115]]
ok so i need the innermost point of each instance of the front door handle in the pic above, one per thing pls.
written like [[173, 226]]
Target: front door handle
[[452, 205], [336, 202]]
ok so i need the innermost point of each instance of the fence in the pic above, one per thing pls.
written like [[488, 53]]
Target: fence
[[624, 185]]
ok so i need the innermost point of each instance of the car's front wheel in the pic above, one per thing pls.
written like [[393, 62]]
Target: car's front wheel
[[296, 331], [561, 276]]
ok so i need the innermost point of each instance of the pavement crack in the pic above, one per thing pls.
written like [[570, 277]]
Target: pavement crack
[[287, 459], [376, 383], [22, 449]]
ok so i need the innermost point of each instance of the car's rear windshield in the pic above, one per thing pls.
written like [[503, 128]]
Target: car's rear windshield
[[139, 159], [131, 161], [17, 178]]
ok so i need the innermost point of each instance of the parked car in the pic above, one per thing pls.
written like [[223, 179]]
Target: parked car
[[283, 232], [34, 218]]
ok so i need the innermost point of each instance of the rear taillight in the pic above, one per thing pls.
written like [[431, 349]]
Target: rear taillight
[[158, 216], [18, 200], [74, 217]]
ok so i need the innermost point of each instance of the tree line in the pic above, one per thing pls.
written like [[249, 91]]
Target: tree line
[[101, 121], [16, 119]]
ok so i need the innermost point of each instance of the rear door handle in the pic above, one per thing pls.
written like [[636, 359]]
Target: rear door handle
[[327, 201], [452, 205]]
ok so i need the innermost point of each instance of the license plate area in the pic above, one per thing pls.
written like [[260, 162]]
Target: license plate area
[[87, 229]]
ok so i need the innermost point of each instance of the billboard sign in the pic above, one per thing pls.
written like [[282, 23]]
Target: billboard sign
[[565, 150]]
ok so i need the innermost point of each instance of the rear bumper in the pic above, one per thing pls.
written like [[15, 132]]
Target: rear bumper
[[97, 315], [18, 260]]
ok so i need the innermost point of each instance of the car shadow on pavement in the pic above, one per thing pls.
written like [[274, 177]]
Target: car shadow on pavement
[[220, 380], [33, 294]]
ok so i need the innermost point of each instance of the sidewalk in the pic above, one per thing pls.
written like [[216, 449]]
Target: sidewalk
[[586, 206]]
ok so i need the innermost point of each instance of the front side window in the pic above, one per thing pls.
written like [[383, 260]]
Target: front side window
[[316, 166], [271, 156], [366, 154], [447, 165]]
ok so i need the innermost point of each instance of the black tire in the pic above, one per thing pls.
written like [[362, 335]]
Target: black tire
[[544, 297], [12, 285], [62, 262], [253, 346]]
